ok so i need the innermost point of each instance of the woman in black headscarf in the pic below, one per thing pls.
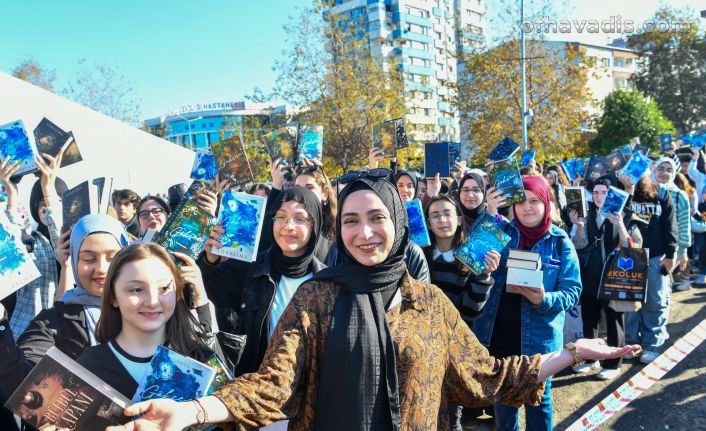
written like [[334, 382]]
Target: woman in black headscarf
[[471, 196], [365, 347], [250, 297]]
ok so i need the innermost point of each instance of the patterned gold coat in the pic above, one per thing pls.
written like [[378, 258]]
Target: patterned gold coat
[[438, 360]]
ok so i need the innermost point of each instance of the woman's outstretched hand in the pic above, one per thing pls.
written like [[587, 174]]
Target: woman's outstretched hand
[[596, 349], [160, 414]]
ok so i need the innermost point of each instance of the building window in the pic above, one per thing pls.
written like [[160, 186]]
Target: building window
[[605, 62]]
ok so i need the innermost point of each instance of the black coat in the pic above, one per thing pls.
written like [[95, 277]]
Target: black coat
[[242, 293]]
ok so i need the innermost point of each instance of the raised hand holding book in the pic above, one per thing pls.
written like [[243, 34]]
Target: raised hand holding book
[[241, 217], [614, 201]]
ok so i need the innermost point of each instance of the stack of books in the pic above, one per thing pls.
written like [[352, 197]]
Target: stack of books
[[524, 268]]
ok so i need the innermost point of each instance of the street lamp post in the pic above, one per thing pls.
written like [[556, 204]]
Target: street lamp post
[[188, 122], [524, 77]]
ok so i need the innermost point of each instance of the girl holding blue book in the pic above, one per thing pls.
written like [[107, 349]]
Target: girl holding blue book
[[143, 307], [595, 238]]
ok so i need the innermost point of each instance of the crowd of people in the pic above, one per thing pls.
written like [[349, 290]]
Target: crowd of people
[[347, 323]]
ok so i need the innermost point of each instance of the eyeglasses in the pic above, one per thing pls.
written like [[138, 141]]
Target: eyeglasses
[[376, 173], [667, 170], [144, 215], [438, 218], [298, 222], [467, 190]]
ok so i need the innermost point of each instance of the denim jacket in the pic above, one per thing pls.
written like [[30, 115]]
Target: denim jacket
[[542, 324]]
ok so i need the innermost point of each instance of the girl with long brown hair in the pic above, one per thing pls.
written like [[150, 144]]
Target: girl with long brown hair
[[143, 307]]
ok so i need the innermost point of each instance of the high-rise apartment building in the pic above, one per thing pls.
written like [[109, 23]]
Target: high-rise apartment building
[[422, 37]]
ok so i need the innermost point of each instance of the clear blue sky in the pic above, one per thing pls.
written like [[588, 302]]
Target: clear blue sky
[[175, 52], [182, 52]]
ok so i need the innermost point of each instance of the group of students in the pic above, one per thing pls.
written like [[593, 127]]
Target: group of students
[[664, 214], [344, 326]]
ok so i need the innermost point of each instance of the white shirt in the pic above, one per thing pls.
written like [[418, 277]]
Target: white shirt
[[448, 255], [285, 290], [136, 367]]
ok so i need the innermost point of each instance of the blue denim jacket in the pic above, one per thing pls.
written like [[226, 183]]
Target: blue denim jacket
[[542, 324]]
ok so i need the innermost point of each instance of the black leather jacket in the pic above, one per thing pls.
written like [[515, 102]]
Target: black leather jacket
[[242, 293]]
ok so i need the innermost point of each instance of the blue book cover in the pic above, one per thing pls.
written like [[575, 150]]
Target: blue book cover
[[505, 175], [596, 168], [186, 230], [626, 150], [642, 149], [310, 142], [17, 267], [486, 237], [686, 139], [504, 150], [580, 166], [205, 167], [241, 216], [418, 232], [698, 141], [569, 169], [665, 142], [454, 155], [614, 201], [527, 157], [174, 376], [636, 167], [15, 143], [436, 159]]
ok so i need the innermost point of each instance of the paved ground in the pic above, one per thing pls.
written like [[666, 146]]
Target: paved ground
[[677, 402]]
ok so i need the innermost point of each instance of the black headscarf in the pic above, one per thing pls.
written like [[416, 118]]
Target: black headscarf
[[411, 175], [36, 196], [472, 215], [358, 385], [299, 266]]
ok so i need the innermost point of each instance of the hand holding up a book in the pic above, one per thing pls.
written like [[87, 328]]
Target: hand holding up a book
[[494, 199], [191, 274], [575, 219], [625, 181], [434, 186], [214, 240], [492, 260]]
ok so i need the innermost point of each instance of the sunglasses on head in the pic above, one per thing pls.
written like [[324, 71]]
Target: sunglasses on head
[[376, 173], [301, 169]]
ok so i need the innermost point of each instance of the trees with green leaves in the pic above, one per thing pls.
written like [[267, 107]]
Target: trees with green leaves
[[330, 71], [627, 114], [671, 66]]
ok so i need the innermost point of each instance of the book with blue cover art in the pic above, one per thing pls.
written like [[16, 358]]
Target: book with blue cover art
[[504, 150], [626, 150], [241, 217], [698, 141], [527, 157], [580, 165], [310, 142], [505, 175], [15, 144], [186, 230], [596, 168], [174, 376], [568, 166], [665, 142], [454, 155], [436, 159], [614, 201], [205, 167], [17, 267], [486, 237], [636, 167], [418, 232]]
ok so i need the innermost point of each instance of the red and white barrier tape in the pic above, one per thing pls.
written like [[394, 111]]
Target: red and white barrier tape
[[642, 381]]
